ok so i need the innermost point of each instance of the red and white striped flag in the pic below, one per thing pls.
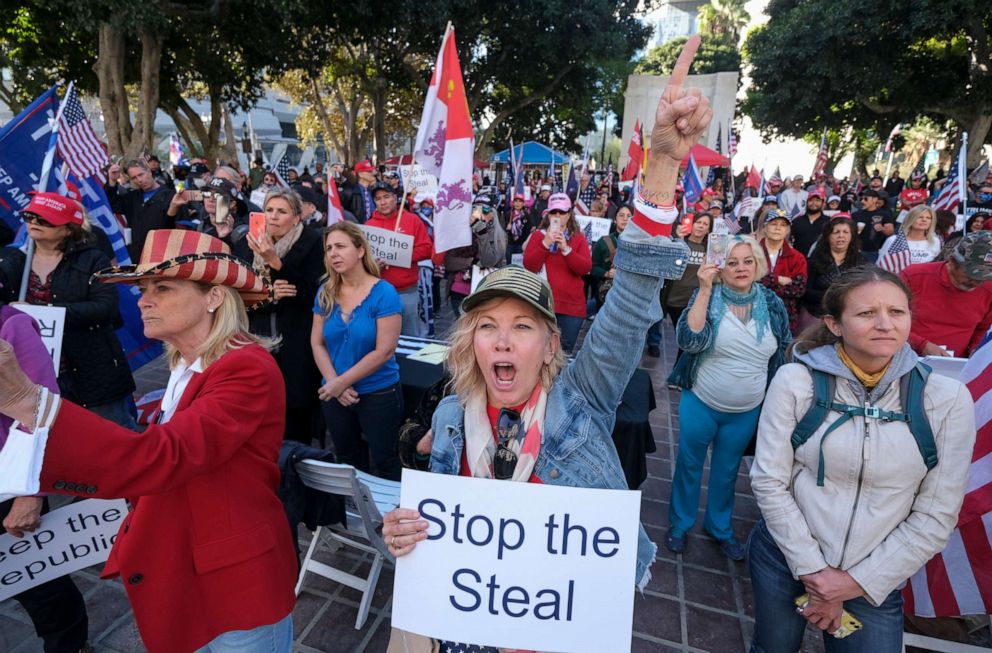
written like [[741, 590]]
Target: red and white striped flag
[[335, 212], [731, 139], [821, 157], [897, 256], [82, 151], [958, 581], [953, 193]]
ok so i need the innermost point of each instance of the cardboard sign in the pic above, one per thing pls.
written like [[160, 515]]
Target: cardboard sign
[[519, 565], [415, 178], [390, 247], [51, 319], [71, 538], [593, 228], [258, 198]]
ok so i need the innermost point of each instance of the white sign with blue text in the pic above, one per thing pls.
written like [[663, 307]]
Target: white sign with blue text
[[519, 565]]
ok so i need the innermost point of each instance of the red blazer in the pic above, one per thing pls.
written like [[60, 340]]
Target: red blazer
[[206, 547]]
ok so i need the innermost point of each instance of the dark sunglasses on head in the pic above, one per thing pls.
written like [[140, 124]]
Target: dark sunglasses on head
[[30, 218], [557, 212], [508, 428]]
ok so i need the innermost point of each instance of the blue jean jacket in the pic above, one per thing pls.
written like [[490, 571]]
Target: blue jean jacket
[[578, 449]]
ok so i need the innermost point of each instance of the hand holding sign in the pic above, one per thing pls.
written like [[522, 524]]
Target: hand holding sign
[[683, 114]]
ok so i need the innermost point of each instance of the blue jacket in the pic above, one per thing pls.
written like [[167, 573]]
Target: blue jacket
[[578, 449], [694, 345]]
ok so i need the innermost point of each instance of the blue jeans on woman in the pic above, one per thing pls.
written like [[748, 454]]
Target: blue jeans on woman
[[729, 433], [778, 628], [570, 327], [274, 638]]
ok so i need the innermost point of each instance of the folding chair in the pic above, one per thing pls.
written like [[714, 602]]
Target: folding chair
[[367, 499]]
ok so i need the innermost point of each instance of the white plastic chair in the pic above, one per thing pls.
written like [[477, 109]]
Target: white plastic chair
[[367, 499]]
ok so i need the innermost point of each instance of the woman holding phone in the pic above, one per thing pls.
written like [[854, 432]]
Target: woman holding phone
[[357, 318], [511, 377], [560, 252], [290, 257], [732, 328]]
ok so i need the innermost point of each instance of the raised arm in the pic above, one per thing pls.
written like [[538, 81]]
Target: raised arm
[[646, 253]]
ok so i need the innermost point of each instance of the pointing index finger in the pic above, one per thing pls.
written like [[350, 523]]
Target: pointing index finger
[[681, 69]]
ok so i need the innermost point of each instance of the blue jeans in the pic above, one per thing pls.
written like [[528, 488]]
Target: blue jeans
[[274, 638], [570, 326], [117, 412], [729, 433], [412, 324], [778, 628], [368, 430]]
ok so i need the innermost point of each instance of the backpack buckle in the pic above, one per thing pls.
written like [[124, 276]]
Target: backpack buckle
[[873, 412]]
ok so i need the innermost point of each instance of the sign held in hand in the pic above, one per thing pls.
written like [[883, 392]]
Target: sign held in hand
[[390, 247]]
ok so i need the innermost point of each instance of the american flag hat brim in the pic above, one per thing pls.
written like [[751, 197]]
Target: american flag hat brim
[[193, 256]]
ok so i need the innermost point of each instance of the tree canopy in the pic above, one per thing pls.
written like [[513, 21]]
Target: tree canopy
[[868, 66], [715, 55]]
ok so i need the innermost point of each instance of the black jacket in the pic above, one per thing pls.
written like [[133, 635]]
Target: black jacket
[[142, 216], [94, 367], [353, 202], [303, 266]]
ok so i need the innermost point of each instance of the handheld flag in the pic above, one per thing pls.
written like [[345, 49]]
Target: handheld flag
[[78, 145], [335, 211], [821, 157], [953, 194], [636, 152], [898, 256], [731, 140], [691, 182], [753, 179], [177, 155], [445, 147]]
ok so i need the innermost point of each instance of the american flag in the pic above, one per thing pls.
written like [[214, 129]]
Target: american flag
[[821, 157], [77, 143], [636, 152], [898, 257], [920, 169], [719, 139], [958, 581], [952, 192], [691, 182], [776, 176], [731, 140], [282, 170]]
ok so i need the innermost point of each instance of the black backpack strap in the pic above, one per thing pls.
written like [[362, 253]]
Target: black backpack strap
[[911, 387], [823, 395]]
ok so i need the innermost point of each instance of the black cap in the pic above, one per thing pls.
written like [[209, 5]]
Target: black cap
[[198, 169], [869, 192], [153, 157], [306, 194], [514, 281], [482, 199], [380, 185], [221, 185]]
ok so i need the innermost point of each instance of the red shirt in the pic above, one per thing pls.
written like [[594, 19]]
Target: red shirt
[[423, 247], [493, 414], [944, 315], [564, 272], [911, 197]]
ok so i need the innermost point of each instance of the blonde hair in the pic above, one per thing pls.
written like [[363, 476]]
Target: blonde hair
[[329, 290], [288, 194], [228, 331], [467, 379], [760, 262], [914, 215]]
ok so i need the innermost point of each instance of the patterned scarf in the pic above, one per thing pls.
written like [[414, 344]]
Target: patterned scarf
[[754, 297], [480, 446], [282, 247]]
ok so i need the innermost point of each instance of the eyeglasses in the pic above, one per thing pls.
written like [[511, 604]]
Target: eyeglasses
[[508, 427], [30, 218]]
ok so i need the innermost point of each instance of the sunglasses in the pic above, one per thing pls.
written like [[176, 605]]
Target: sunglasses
[[508, 427], [31, 218]]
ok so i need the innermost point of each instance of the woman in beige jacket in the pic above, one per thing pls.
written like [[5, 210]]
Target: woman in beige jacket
[[854, 510]]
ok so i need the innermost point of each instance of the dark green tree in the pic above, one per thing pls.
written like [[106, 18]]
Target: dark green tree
[[867, 66], [713, 56]]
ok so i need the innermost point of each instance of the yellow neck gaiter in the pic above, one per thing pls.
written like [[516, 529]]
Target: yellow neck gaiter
[[867, 380]]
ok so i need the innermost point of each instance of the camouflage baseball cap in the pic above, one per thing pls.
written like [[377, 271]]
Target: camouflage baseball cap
[[974, 252], [514, 281]]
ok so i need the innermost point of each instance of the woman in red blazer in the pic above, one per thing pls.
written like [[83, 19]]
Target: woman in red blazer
[[561, 249], [205, 554]]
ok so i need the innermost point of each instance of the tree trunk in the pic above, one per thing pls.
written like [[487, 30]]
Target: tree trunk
[[183, 127], [109, 68], [379, 118], [978, 131], [230, 149], [151, 66]]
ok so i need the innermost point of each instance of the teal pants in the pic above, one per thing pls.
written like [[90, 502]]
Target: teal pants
[[729, 433]]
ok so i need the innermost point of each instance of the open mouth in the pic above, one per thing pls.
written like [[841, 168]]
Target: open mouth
[[505, 373]]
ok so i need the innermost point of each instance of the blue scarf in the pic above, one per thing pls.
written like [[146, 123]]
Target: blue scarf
[[754, 297]]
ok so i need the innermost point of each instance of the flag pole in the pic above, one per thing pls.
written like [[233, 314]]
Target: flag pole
[[963, 174], [46, 169]]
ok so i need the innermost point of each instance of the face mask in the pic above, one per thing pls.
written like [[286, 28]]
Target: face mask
[[985, 197], [199, 182]]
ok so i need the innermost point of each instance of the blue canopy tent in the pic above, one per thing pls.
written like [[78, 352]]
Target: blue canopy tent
[[534, 153]]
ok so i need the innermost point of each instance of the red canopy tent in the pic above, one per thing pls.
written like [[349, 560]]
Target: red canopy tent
[[706, 157], [407, 159]]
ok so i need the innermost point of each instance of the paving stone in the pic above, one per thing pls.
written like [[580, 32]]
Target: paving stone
[[657, 617], [14, 633], [709, 589], [712, 631]]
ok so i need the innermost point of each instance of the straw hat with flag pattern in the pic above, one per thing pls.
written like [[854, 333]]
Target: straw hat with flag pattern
[[193, 256]]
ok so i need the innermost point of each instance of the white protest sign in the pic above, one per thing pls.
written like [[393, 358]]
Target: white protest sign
[[519, 565], [71, 538], [415, 178], [593, 228], [390, 247], [478, 274], [51, 319], [258, 197]]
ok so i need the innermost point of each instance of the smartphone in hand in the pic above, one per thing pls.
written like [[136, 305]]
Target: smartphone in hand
[[716, 249], [194, 195], [256, 224]]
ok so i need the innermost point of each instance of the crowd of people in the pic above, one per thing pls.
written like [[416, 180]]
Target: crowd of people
[[296, 323]]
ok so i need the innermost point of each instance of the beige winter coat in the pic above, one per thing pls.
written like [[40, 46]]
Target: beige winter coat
[[881, 514]]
